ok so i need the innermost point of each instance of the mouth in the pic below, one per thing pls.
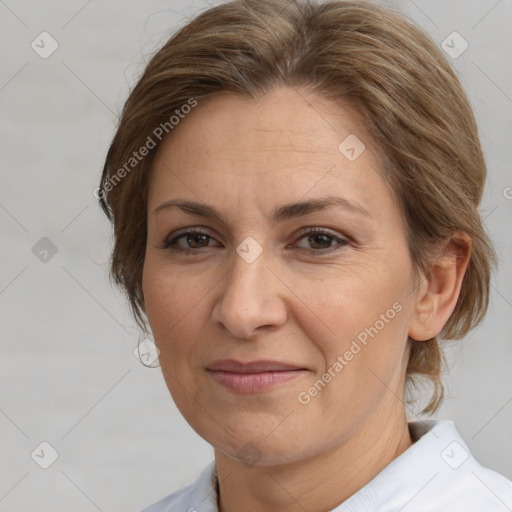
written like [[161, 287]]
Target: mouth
[[253, 376]]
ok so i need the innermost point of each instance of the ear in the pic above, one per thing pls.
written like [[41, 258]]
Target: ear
[[438, 292]]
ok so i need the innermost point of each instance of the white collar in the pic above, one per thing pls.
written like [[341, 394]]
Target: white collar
[[436, 473]]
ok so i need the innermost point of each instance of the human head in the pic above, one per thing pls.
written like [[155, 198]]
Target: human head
[[411, 101]]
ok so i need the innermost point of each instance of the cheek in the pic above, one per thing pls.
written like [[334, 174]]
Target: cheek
[[350, 299], [173, 308], [172, 305], [367, 313], [362, 353]]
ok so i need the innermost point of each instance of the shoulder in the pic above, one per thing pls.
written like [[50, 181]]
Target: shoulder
[[437, 473], [198, 496], [476, 489], [450, 477]]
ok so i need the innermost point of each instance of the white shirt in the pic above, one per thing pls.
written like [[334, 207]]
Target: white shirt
[[437, 473]]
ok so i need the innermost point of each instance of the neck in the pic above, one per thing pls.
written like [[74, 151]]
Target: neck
[[319, 483]]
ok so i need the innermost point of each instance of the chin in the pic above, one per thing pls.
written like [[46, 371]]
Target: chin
[[264, 453], [253, 445]]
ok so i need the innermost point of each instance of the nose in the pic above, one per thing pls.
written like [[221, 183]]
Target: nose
[[251, 300]]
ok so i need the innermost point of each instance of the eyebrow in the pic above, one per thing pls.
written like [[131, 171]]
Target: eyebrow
[[285, 212]]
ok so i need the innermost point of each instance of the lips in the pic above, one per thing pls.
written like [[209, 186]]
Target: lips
[[232, 365], [253, 376]]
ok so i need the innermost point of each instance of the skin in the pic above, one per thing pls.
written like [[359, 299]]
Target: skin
[[302, 301]]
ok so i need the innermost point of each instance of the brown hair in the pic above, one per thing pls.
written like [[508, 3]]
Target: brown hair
[[411, 100]]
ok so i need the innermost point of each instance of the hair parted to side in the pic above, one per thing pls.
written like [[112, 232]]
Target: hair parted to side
[[411, 100]]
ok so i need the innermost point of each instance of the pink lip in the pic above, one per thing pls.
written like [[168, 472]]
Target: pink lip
[[253, 376]]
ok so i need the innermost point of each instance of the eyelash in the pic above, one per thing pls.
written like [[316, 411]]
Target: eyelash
[[170, 243]]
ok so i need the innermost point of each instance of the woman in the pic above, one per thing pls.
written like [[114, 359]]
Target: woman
[[294, 189]]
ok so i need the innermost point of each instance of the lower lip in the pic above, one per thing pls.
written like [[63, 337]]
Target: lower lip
[[254, 382]]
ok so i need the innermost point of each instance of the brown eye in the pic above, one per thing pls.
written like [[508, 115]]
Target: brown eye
[[188, 241], [197, 240], [318, 240]]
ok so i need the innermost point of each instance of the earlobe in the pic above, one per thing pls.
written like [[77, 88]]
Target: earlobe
[[439, 291]]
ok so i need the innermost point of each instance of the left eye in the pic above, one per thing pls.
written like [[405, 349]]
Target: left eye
[[319, 240]]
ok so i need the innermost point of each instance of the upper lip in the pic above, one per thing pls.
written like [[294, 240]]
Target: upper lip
[[261, 365]]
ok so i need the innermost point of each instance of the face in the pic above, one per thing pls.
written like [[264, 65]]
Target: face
[[271, 244]]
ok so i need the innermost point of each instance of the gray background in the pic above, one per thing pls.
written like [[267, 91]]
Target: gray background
[[69, 376]]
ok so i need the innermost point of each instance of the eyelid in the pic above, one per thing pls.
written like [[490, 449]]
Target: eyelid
[[169, 242], [317, 229]]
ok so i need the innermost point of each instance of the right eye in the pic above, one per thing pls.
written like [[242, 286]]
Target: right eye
[[189, 241]]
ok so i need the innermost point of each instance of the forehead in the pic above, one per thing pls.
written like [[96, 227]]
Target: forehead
[[282, 119], [287, 142]]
